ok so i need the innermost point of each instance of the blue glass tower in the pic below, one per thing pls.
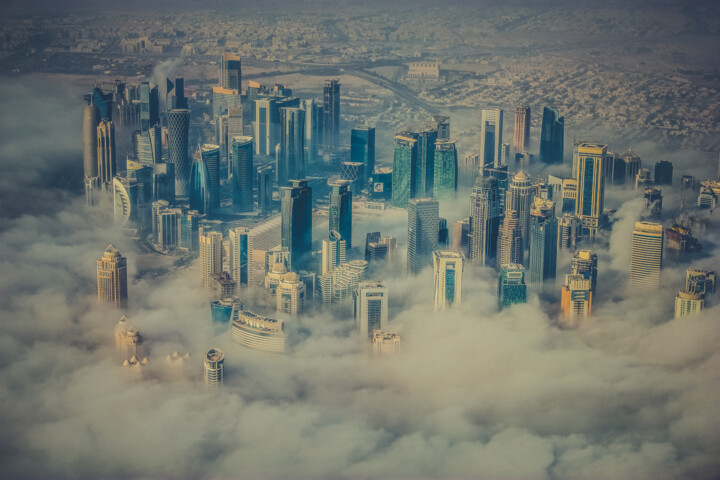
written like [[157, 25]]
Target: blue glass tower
[[243, 172], [543, 240], [511, 285], [445, 169], [296, 227], [362, 148], [552, 136], [404, 161], [200, 187], [189, 231], [291, 157], [175, 97], [210, 154], [425, 164], [341, 211], [149, 106], [103, 101]]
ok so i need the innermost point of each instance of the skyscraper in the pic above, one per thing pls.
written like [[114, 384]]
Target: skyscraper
[[569, 231], [175, 97], [331, 113], [230, 74], [214, 367], [112, 278], [491, 127], [149, 106], [265, 126], [584, 263], [663, 173], [188, 230], [403, 177], [576, 300], [342, 282], [210, 257], [700, 281], [290, 295], [210, 155], [423, 215], [591, 187], [178, 125], [333, 253], [264, 187], [445, 169], [91, 120], [511, 285], [687, 303], [200, 193], [646, 257], [519, 198], [291, 155], [510, 241], [485, 216], [149, 145], [425, 163], [522, 129], [240, 255], [362, 148], [370, 307], [106, 163], [448, 267], [552, 136], [296, 228], [313, 129], [652, 203], [243, 171], [543, 240], [340, 211]]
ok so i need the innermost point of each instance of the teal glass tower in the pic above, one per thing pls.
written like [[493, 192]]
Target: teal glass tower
[[445, 169], [341, 211], [423, 228], [210, 155], [543, 240], [291, 156], [243, 173], [296, 218], [404, 160], [425, 163], [362, 149], [200, 196], [511, 285], [331, 113], [552, 136]]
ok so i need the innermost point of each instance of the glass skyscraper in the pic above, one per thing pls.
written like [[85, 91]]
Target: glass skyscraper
[[210, 155], [543, 240], [491, 127], [340, 214], [423, 226], [362, 148], [243, 172], [178, 125], [485, 217], [200, 196], [331, 113], [425, 163], [552, 136], [240, 255], [291, 157], [445, 169], [591, 187], [230, 74], [296, 226], [149, 106], [511, 285], [404, 160], [448, 268]]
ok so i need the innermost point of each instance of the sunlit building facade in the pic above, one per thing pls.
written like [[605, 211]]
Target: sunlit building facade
[[112, 278]]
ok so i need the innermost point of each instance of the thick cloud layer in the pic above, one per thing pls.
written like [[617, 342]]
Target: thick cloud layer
[[475, 392]]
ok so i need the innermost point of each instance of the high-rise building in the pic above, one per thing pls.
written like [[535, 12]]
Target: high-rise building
[[688, 303], [403, 177], [443, 234], [646, 257], [313, 129], [448, 266], [92, 189], [370, 307], [519, 197], [511, 285], [445, 169], [585, 263], [175, 97], [210, 155], [243, 171], [266, 127], [700, 281], [148, 145], [461, 236], [510, 241], [385, 343], [178, 125], [230, 74], [103, 101], [189, 231], [333, 252], [291, 154], [663, 173], [522, 129], [652, 203], [296, 227], [591, 187], [128, 341], [210, 257], [167, 227], [200, 192], [379, 248], [643, 179], [552, 136], [106, 163], [240, 255], [340, 211], [339, 284], [362, 149], [569, 195], [491, 127], [149, 106], [213, 374], [423, 225], [163, 182], [290, 295], [331, 113], [485, 216], [91, 120], [353, 173], [680, 239], [569, 231], [264, 187], [543, 240], [425, 163], [112, 278], [576, 300]]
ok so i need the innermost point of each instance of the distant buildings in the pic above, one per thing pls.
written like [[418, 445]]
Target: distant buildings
[[230, 71], [585, 263], [178, 126], [106, 161], [519, 198], [290, 161], [423, 225], [240, 261], [510, 241], [663, 173], [370, 307], [646, 257], [213, 372], [331, 113], [552, 136], [448, 267], [112, 278], [242, 174], [652, 203], [91, 120], [445, 176]]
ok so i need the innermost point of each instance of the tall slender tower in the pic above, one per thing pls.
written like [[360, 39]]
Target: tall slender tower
[[425, 163], [230, 74], [522, 129], [112, 278], [178, 125], [446, 169], [265, 126], [485, 216], [403, 177], [448, 267], [423, 226], [333, 253], [291, 158], [362, 149], [210, 154], [552, 136], [296, 227], [210, 256], [491, 127], [149, 106], [646, 257], [519, 198], [243, 172], [340, 211], [240, 255], [313, 129], [331, 113], [213, 372], [200, 192], [106, 164], [91, 120], [591, 187], [510, 241], [543, 240], [371, 307]]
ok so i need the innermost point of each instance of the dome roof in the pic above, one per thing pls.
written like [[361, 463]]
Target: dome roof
[[279, 268], [520, 176], [291, 277]]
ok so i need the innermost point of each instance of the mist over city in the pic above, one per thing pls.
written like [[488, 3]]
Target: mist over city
[[359, 240]]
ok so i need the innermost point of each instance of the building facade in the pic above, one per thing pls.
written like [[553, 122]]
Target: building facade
[[370, 307], [423, 227], [112, 278], [448, 266], [646, 257]]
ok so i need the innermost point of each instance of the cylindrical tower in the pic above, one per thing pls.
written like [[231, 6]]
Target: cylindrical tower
[[91, 119]]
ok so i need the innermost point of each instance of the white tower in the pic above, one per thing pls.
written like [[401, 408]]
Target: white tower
[[371, 307], [448, 267]]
